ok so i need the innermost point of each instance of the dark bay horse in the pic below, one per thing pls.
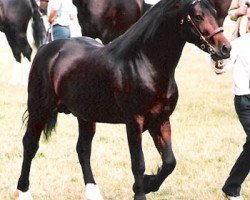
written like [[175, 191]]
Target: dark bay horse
[[108, 19], [130, 80], [14, 18]]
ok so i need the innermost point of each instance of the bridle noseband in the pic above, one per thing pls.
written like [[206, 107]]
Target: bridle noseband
[[204, 40]]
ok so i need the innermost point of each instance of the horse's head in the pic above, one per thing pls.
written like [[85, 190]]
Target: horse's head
[[201, 28]]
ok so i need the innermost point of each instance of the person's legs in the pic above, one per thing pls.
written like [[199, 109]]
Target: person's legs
[[241, 167], [60, 32]]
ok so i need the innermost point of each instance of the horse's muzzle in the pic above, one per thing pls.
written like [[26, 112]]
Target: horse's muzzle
[[225, 50], [222, 53]]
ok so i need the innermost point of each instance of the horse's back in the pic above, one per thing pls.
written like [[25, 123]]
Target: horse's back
[[64, 50], [59, 57]]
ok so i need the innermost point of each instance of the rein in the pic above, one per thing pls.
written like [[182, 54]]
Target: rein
[[204, 40]]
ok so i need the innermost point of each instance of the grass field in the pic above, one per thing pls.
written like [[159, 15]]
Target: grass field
[[207, 139]]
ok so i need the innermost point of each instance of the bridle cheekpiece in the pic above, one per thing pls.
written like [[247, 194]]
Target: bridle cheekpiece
[[204, 40]]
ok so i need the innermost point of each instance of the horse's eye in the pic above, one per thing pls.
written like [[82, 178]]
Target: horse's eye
[[198, 18]]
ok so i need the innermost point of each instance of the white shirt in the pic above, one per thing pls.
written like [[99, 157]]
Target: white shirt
[[64, 10], [240, 59]]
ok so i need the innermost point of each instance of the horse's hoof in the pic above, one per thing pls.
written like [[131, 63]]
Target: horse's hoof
[[19, 195], [92, 192], [140, 197]]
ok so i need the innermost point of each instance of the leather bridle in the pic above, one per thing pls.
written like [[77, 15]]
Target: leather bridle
[[204, 40]]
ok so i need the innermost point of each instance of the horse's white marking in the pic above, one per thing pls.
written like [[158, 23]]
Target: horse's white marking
[[20, 73], [19, 195], [92, 192], [26, 70], [16, 74]]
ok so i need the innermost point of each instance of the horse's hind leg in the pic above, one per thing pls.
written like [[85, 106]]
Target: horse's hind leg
[[86, 134], [19, 45], [41, 117], [161, 134], [30, 147]]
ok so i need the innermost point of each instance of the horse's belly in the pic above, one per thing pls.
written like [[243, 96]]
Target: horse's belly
[[109, 114], [102, 109]]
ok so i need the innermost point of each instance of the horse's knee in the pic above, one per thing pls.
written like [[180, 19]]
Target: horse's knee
[[169, 165]]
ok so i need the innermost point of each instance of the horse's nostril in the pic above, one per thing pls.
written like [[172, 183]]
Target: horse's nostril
[[225, 50]]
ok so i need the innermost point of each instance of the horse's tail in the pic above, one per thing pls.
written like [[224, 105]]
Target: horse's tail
[[50, 123], [39, 31], [42, 108]]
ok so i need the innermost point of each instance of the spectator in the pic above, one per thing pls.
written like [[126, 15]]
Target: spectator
[[240, 13], [60, 15]]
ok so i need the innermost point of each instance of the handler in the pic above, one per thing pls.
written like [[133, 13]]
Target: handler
[[240, 59]]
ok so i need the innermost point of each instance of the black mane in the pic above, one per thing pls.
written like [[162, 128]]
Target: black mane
[[144, 29], [163, 13]]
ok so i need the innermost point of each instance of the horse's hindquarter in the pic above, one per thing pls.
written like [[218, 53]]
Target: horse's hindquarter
[[83, 83]]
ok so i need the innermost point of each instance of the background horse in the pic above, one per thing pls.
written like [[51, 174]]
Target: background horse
[[221, 7], [108, 19], [14, 18], [130, 80]]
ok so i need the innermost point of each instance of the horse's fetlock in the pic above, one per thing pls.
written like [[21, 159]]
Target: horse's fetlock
[[140, 197]]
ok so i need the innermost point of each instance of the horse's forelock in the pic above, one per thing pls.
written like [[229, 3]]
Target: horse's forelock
[[204, 3], [210, 6]]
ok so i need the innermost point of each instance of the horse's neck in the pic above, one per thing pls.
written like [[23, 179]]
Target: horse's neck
[[165, 49], [155, 36]]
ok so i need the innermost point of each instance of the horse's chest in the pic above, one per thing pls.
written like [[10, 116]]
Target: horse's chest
[[147, 96], [145, 103]]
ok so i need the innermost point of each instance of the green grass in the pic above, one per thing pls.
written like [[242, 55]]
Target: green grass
[[206, 134]]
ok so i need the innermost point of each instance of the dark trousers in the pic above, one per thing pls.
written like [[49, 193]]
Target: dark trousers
[[241, 167]]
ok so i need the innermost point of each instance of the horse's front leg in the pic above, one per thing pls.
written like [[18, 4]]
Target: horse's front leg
[[134, 134], [86, 134], [161, 134]]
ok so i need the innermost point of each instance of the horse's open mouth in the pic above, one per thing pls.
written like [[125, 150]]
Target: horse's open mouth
[[219, 66], [220, 56]]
